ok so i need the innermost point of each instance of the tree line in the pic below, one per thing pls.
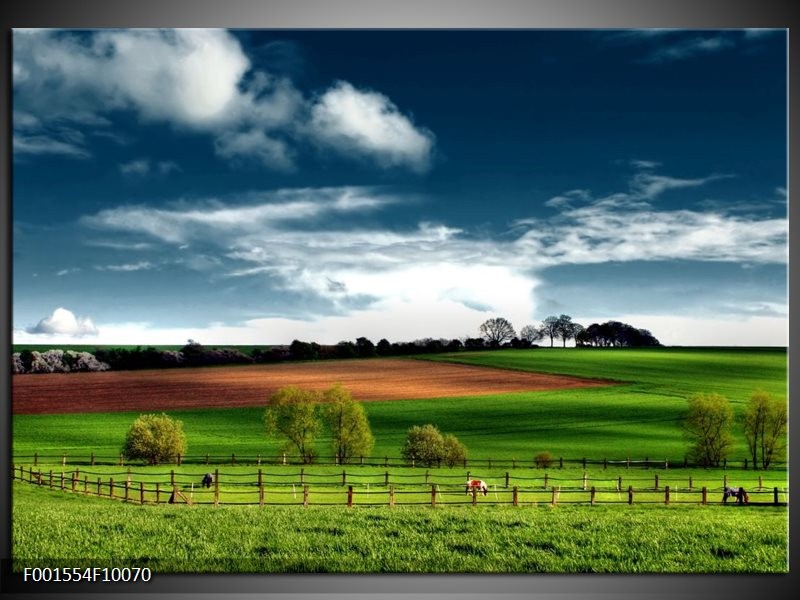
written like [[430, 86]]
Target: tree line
[[493, 334]]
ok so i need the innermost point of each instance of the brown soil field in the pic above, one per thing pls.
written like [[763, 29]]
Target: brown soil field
[[251, 385]]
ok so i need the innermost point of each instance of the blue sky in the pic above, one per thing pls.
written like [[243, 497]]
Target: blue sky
[[261, 186]]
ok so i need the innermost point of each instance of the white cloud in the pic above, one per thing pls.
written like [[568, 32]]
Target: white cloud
[[200, 79], [64, 322], [142, 167], [135, 167], [710, 44], [648, 186], [369, 124], [142, 265], [255, 146]]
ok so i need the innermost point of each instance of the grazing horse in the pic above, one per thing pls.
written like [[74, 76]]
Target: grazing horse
[[208, 479], [477, 485], [735, 492]]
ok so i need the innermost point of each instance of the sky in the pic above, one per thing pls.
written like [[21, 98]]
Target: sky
[[256, 187]]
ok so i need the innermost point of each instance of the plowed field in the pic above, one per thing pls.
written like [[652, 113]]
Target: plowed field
[[251, 385]]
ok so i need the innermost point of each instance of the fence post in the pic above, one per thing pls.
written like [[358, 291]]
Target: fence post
[[704, 501], [628, 462], [413, 462], [666, 495], [258, 459], [233, 458], [35, 459], [591, 499], [656, 482], [427, 475], [362, 460], [75, 477], [63, 459], [584, 478], [385, 461], [759, 482], [490, 463], [284, 458], [724, 481], [465, 463], [302, 476], [724, 463], [158, 492], [630, 494], [127, 489], [515, 497], [141, 492], [474, 496], [206, 458], [545, 481], [560, 463], [506, 479], [605, 464], [666, 464], [51, 479], [179, 459], [92, 460], [349, 496], [690, 482], [62, 481], [391, 496], [305, 495], [386, 480], [85, 484], [172, 478], [468, 477], [110, 487], [433, 496], [120, 459], [260, 489], [619, 483], [584, 463], [344, 477], [216, 488], [98, 486], [745, 464], [553, 500], [775, 495]]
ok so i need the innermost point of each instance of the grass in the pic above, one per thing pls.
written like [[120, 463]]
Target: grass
[[50, 528]]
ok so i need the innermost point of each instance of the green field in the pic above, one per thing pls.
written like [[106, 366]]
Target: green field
[[51, 528], [638, 417]]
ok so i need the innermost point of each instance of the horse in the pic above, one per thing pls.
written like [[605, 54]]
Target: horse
[[477, 485], [208, 479], [735, 492]]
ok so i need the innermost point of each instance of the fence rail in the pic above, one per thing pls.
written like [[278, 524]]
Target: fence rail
[[92, 459], [261, 490]]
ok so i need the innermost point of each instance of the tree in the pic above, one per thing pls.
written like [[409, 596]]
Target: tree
[[348, 424], [496, 331], [453, 452], [764, 424], [154, 438], [384, 348], [365, 347], [292, 414], [423, 445], [708, 428], [531, 334], [550, 328], [565, 328]]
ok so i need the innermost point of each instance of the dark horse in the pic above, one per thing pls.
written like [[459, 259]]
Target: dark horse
[[208, 479], [735, 492]]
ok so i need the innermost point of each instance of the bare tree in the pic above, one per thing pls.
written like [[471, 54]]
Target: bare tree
[[496, 331], [531, 334], [550, 328]]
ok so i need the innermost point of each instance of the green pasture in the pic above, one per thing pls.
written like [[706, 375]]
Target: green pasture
[[53, 528], [638, 419]]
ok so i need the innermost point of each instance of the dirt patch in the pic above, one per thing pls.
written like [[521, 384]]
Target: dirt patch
[[251, 385]]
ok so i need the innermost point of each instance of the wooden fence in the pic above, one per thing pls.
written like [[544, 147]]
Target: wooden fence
[[186, 488], [93, 459]]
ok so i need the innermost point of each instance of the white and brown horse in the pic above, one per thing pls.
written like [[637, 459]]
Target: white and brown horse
[[476, 485]]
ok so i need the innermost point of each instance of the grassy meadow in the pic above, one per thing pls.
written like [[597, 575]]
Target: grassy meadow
[[638, 417], [51, 528]]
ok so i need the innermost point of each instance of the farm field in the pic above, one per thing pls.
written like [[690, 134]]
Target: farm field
[[565, 539], [377, 379], [638, 416]]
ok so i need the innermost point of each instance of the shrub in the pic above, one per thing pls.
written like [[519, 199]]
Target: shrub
[[453, 452], [543, 460], [292, 415], [155, 438], [423, 445]]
